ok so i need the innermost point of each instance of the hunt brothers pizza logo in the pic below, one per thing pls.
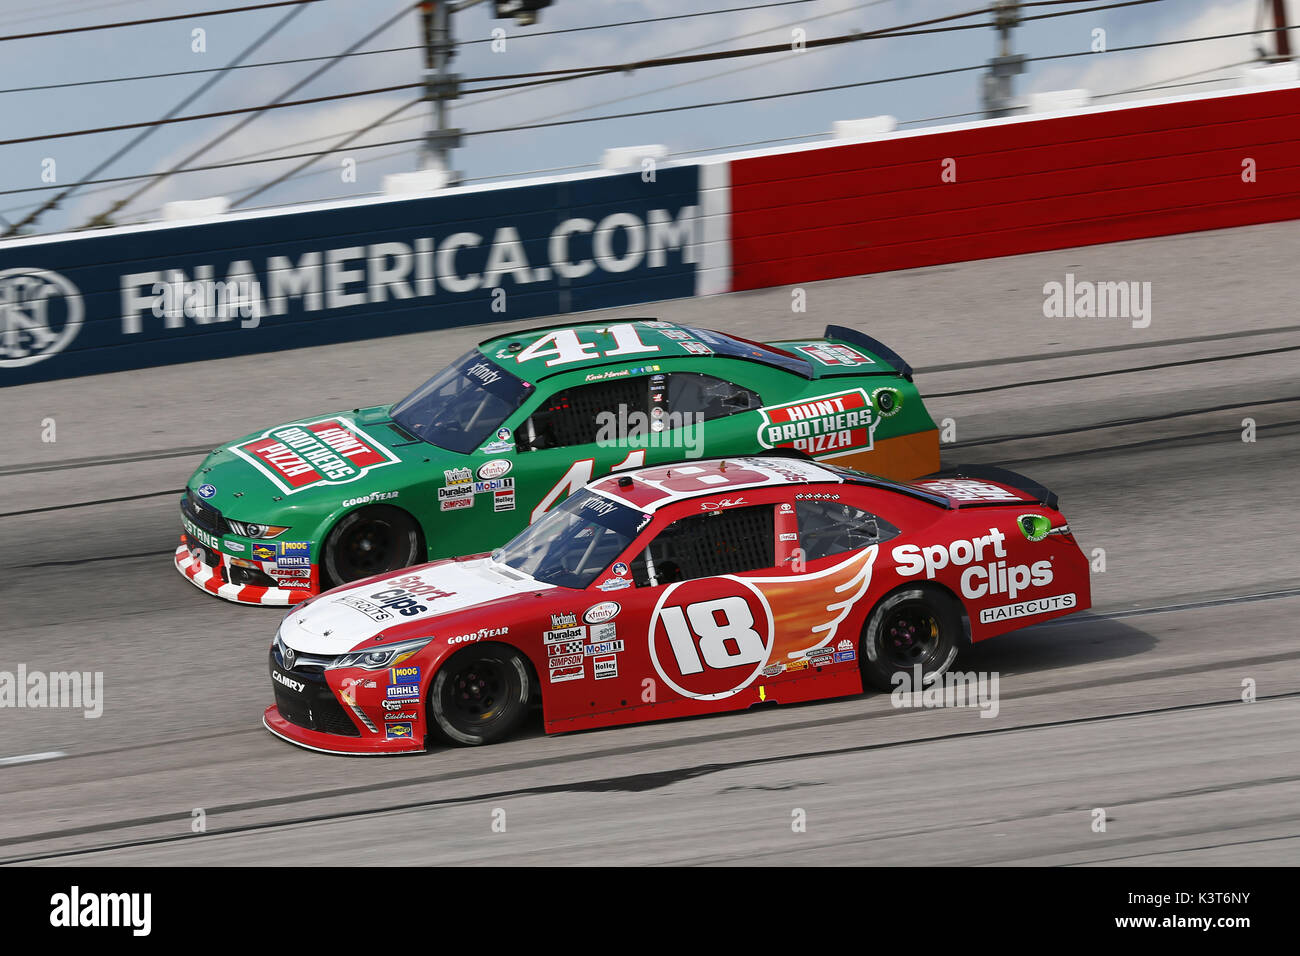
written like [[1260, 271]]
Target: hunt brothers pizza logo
[[329, 452], [825, 425]]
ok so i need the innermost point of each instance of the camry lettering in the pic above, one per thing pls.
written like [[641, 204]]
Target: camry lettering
[[287, 681]]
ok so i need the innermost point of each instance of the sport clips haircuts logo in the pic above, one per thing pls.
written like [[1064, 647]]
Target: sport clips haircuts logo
[[332, 451]]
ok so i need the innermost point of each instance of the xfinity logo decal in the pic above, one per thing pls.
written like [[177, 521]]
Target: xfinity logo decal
[[40, 313]]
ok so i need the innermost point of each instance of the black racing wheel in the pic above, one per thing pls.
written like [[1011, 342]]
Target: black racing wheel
[[480, 694], [910, 628], [370, 541]]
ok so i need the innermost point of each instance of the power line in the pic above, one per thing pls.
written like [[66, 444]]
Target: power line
[[885, 80], [917, 28], [337, 146], [135, 23], [249, 118], [146, 133], [856, 7], [395, 49], [550, 76], [236, 111], [46, 15], [1169, 82], [481, 102]]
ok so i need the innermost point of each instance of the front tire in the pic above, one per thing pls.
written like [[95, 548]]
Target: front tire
[[910, 628], [370, 541], [480, 695]]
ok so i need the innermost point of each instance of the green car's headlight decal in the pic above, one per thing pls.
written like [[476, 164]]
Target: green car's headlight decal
[[1034, 527], [888, 401], [250, 529]]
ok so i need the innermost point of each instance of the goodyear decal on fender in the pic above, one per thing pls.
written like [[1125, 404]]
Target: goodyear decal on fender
[[826, 425], [332, 451]]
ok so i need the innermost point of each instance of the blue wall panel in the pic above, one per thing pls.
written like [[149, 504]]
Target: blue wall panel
[[341, 274]]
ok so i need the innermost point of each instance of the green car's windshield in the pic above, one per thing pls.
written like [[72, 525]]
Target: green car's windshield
[[460, 407], [574, 542]]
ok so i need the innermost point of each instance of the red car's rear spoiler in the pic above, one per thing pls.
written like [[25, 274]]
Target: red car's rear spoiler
[[1003, 476]]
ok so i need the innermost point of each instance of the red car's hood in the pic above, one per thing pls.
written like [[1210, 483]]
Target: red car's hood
[[408, 603]]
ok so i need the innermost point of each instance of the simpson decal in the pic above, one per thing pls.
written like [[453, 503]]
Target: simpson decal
[[332, 451]]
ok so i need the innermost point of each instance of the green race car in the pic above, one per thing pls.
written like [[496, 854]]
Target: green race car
[[508, 430]]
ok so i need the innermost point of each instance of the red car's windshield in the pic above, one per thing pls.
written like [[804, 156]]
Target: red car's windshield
[[572, 544]]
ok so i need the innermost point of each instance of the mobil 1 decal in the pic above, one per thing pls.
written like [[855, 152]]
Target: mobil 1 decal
[[827, 425], [712, 637], [332, 451]]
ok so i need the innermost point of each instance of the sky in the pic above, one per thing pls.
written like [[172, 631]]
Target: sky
[[327, 27]]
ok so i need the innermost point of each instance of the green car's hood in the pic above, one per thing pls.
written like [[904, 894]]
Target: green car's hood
[[313, 465]]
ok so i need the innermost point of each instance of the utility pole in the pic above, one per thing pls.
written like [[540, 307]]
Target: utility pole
[[1281, 38], [998, 86], [441, 86]]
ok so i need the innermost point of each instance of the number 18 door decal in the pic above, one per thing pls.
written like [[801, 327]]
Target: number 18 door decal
[[712, 637]]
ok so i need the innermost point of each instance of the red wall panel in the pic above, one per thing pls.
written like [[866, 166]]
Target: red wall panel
[[1020, 187]]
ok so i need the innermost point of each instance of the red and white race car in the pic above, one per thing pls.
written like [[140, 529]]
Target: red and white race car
[[673, 591]]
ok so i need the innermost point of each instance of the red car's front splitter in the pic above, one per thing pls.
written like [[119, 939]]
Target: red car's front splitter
[[332, 743]]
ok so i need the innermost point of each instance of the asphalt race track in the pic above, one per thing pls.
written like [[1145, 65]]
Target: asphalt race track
[[1134, 708]]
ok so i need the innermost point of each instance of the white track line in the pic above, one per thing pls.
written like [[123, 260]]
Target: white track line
[[32, 758]]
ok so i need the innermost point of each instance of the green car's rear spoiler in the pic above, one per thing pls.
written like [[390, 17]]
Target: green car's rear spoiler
[[880, 349]]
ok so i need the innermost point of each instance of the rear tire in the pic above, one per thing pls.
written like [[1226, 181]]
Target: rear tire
[[917, 626], [480, 695], [367, 542]]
